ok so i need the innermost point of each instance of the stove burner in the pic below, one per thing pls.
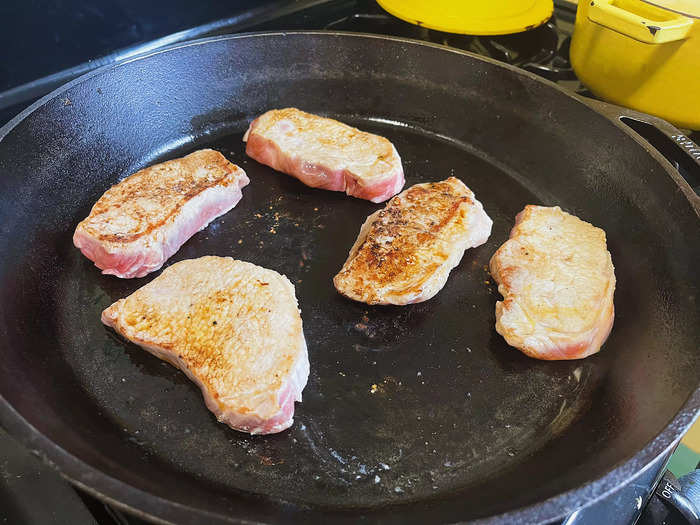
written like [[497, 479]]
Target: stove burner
[[543, 50]]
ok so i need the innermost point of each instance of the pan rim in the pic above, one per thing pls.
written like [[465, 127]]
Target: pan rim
[[128, 497], [690, 195]]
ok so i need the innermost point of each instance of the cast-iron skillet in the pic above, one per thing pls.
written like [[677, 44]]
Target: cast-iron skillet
[[460, 426]]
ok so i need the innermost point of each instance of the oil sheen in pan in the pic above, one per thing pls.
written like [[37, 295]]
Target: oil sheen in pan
[[402, 402]]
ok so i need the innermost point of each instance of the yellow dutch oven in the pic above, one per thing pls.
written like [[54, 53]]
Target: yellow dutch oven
[[472, 17], [643, 55]]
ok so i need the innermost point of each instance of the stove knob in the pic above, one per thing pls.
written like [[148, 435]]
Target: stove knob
[[674, 502]]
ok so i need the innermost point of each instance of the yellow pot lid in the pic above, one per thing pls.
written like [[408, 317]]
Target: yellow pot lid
[[689, 8], [472, 17]]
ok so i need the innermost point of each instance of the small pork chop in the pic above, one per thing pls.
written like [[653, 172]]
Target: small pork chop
[[324, 153], [143, 220], [557, 279], [405, 252], [233, 327]]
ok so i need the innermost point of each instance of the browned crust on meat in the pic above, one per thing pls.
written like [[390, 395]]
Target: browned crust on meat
[[234, 311], [167, 187], [400, 223], [408, 239], [439, 200]]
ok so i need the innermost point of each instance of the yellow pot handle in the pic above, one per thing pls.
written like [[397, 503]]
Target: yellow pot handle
[[603, 12]]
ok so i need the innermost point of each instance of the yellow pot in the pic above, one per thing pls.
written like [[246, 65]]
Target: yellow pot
[[472, 17], [641, 56]]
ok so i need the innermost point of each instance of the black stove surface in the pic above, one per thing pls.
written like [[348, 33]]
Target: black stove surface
[[64, 33], [71, 37]]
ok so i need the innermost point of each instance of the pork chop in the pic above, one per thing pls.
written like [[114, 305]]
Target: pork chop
[[405, 252], [233, 327], [557, 280], [143, 220], [324, 153]]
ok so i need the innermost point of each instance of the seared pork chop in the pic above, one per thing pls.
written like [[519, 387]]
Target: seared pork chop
[[233, 327], [405, 252], [143, 220], [557, 280], [324, 153]]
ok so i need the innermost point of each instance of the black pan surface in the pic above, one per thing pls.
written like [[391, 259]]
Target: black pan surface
[[411, 414]]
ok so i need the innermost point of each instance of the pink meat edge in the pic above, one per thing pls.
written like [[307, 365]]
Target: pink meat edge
[[379, 191], [288, 395], [134, 262], [267, 152], [590, 345]]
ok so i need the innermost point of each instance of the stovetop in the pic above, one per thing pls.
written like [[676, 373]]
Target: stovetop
[[71, 37], [68, 38], [112, 31]]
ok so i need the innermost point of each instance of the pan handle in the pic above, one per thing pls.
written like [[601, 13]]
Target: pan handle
[[669, 141]]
